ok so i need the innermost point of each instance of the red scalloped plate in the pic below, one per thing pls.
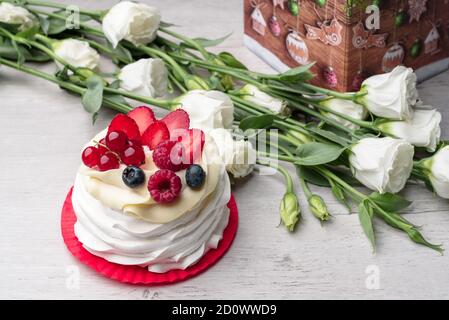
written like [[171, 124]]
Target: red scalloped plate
[[136, 274]]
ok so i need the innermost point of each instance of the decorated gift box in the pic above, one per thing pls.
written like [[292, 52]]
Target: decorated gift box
[[343, 39]]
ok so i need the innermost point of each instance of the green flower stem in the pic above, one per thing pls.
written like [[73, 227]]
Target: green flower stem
[[63, 84], [286, 139], [305, 187], [335, 94], [245, 108], [241, 74], [282, 170], [187, 40], [361, 123], [165, 104], [276, 156], [104, 49], [293, 103], [178, 84], [92, 13], [257, 108]]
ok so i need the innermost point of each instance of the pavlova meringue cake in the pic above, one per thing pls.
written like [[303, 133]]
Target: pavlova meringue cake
[[146, 196]]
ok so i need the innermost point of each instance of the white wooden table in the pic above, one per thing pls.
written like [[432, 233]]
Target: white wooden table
[[43, 128]]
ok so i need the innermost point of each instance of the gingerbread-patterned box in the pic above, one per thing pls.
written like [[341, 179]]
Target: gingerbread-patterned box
[[349, 40]]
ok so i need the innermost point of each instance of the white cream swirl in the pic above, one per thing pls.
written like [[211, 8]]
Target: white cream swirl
[[126, 238]]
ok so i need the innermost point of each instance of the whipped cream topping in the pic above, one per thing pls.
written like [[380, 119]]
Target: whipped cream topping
[[126, 226]]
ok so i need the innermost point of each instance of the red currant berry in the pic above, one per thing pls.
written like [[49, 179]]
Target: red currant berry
[[108, 161], [90, 157], [101, 146], [116, 141], [133, 155]]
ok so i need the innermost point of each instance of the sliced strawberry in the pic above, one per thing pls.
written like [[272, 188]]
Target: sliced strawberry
[[193, 144], [155, 134], [178, 119], [122, 122], [143, 116]]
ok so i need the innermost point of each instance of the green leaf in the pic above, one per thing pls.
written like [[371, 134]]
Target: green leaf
[[298, 74], [339, 194], [316, 153], [20, 54], [93, 97], [56, 25], [116, 98], [329, 135], [29, 33], [164, 24], [94, 117], [11, 27], [121, 52], [115, 84], [44, 24], [257, 122], [390, 202], [311, 176], [366, 220], [211, 42], [231, 61]]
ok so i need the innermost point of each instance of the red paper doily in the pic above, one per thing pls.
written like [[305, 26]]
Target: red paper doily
[[136, 274]]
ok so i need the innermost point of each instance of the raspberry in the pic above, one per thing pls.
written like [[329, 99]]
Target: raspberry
[[169, 155], [164, 186], [90, 157]]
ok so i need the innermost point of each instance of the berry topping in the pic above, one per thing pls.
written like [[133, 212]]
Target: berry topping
[[164, 186], [108, 161], [133, 155], [169, 155], [90, 157], [116, 141], [193, 143], [124, 123], [178, 119], [143, 116], [133, 176], [155, 134], [195, 176]]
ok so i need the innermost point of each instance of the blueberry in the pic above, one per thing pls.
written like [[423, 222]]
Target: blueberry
[[195, 176], [133, 176]]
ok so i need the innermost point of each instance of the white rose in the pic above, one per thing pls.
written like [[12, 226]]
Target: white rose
[[17, 15], [238, 156], [439, 172], [252, 94], [208, 109], [382, 164], [347, 107], [77, 53], [391, 95], [147, 77], [423, 130], [135, 22]]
